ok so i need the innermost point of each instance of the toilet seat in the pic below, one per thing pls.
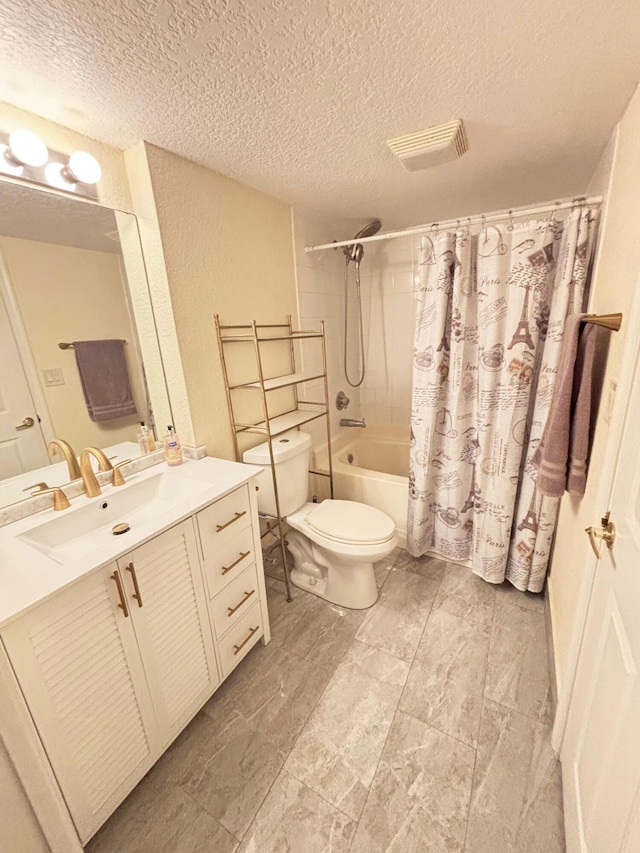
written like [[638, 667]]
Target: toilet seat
[[351, 522]]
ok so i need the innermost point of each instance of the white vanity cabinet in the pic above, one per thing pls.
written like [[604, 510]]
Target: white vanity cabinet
[[78, 662], [113, 666], [164, 593]]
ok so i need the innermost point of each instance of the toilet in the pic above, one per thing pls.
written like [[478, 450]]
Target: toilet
[[335, 543]]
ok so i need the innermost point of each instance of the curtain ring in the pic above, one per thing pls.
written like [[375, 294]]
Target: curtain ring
[[435, 230], [484, 228], [552, 213], [468, 226], [510, 225]]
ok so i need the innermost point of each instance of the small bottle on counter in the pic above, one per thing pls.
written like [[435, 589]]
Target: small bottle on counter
[[172, 449], [143, 440], [146, 439], [151, 439]]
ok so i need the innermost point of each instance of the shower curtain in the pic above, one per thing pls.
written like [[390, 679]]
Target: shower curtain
[[489, 322]]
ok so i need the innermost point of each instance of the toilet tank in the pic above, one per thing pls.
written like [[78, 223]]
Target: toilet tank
[[291, 457]]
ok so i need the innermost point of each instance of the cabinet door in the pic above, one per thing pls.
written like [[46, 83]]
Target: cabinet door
[[171, 622], [79, 667]]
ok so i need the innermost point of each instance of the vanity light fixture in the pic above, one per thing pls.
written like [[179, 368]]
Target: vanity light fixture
[[25, 156]]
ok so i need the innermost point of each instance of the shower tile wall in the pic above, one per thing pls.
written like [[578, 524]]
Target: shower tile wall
[[320, 280], [389, 279]]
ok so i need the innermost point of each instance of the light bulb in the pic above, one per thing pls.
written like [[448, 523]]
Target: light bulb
[[54, 173], [25, 148], [7, 163], [83, 167]]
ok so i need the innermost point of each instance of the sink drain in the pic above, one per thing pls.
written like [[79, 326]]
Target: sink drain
[[119, 529]]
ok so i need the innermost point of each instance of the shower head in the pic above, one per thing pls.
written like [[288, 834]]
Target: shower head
[[355, 251], [369, 229]]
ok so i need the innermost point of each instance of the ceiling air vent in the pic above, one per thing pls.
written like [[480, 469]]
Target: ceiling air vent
[[430, 147]]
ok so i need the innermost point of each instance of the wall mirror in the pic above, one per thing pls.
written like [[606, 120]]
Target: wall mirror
[[70, 270]]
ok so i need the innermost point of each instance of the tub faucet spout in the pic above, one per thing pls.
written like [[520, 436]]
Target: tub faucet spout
[[352, 422]]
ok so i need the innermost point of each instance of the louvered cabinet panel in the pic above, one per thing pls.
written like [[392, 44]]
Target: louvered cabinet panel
[[172, 625], [78, 664]]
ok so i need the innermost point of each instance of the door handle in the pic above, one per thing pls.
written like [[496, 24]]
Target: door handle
[[606, 533], [27, 423]]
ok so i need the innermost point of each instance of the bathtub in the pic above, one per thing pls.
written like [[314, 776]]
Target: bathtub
[[372, 466]]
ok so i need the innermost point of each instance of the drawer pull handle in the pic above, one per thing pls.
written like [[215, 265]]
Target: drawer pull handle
[[252, 631], [123, 601], [247, 596], [221, 527], [131, 569], [226, 569]]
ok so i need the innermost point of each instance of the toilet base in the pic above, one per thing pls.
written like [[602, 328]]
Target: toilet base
[[345, 581]]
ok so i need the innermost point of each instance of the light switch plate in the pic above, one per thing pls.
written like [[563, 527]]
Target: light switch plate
[[53, 376]]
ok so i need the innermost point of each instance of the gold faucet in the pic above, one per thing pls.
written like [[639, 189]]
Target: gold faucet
[[118, 477], [59, 445], [60, 500], [89, 480]]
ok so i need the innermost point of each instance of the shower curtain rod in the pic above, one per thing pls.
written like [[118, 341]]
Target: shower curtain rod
[[514, 213]]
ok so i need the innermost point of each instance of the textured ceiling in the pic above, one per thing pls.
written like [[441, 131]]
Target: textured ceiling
[[297, 97], [49, 218]]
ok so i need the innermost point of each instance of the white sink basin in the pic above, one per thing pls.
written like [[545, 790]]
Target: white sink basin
[[69, 537]]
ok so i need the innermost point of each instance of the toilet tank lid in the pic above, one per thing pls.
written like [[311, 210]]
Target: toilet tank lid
[[285, 446]]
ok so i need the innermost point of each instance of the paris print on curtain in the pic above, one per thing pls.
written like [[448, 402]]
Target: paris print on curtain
[[489, 321]]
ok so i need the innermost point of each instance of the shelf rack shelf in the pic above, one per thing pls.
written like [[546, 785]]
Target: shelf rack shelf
[[302, 412]]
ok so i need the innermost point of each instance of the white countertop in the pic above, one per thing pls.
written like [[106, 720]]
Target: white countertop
[[28, 576]]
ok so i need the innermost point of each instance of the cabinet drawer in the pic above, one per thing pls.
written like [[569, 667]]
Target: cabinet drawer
[[240, 639], [230, 605], [223, 520], [228, 561]]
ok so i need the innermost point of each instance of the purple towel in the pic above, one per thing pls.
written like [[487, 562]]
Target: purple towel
[[561, 457], [105, 379], [581, 420]]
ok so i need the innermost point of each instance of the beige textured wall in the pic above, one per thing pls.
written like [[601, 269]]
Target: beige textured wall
[[613, 287], [228, 250], [67, 294], [113, 188]]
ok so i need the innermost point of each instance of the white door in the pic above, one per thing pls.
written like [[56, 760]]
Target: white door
[[165, 592], [22, 445], [79, 667], [601, 749]]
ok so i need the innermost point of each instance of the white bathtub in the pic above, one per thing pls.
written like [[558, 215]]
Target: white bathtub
[[372, 466]]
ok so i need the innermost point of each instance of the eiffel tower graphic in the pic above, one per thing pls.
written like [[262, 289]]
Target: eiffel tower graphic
[[530, 521], [444, 343], [522, 334], [474, 490]]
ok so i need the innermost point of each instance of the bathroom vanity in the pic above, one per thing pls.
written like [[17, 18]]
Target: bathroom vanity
[[111, 643]]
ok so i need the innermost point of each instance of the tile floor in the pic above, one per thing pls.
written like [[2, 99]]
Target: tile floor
[[422, 724]]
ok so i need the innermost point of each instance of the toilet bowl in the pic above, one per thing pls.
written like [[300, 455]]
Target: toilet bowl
[[334, 544]]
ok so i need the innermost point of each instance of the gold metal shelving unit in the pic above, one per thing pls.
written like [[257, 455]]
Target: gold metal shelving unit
[[301, 412]]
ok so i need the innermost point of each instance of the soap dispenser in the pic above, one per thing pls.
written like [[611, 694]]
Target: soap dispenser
[[172, 448]]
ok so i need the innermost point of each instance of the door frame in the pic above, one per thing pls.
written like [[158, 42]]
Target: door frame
[[8, 296], [610, 459]]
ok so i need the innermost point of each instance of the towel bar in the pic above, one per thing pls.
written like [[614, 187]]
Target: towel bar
[[64, 345], [609, 321]]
